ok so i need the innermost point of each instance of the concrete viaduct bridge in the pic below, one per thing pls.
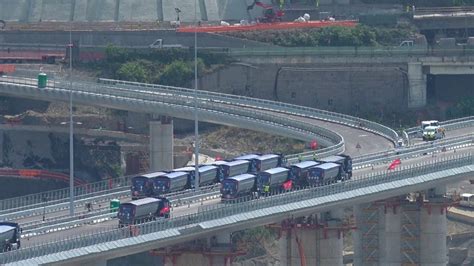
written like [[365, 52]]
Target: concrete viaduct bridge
[[218, 220]]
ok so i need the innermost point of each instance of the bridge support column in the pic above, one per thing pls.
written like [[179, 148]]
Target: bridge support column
[[433, 229], [312, 241], [416, 86], [357, 236], [221, 250], [331, 239], [390, 234], [299, 241], [161, 144]]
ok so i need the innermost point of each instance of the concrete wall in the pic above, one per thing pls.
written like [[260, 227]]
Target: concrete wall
[[353, 89], [128, 10], [119, 38]]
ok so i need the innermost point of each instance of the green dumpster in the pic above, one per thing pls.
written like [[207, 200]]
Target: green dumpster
[[42, 80], [114, 205]]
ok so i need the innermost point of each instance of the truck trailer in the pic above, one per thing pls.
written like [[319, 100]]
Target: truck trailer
[[325, 173], [300, 171], [233, 168], [171, 182], [142, 210], [143, 185], [344, 160], [237, 186], [273, 178], [10, 236]]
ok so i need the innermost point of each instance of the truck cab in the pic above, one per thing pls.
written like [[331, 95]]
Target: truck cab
[[434, 123], [467, 200], [433, 133]]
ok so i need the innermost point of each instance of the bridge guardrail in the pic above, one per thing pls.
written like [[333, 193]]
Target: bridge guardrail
[[180, 196], [337, 149], [350, 51], [358, 162], [266, 104], [66, 222], [452, 124], [284, 125], [216, 212], [447, 142], [306, 155]]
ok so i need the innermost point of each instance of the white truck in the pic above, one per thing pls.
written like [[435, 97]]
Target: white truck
[[433, 133], [431, 130], [467, 200]]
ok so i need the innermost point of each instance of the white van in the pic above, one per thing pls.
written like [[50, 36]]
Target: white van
[[467, 200]]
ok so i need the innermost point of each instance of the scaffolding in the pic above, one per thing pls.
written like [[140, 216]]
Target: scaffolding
[[201, 247], [410, 238], [368, 226]]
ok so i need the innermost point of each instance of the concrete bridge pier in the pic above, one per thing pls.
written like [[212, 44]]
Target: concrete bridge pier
[[331, 239], [299, 242], [357, 236], [433, 228], [390, 233], [312, 240], [221, 251], [161, 143], [416, 85]]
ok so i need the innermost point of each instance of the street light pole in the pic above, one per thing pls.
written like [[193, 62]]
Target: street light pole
[[71, 136], [196, 124]]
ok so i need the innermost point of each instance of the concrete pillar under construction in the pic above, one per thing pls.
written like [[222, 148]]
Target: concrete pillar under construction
[[284, 244], [331, 239], [221, 250], [357, 236], [366, 235], [299, 244], [433, 232], [161, 144], [390, 236]]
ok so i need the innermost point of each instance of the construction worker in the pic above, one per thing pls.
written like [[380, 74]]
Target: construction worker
[[266, 189], [314, 156]]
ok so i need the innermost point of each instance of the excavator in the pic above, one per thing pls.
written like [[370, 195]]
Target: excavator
[[269, 13]]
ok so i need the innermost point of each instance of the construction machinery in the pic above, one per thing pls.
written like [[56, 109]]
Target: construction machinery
[[269, 13]]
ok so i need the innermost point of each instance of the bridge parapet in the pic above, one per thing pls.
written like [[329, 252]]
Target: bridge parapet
[[215, 217]]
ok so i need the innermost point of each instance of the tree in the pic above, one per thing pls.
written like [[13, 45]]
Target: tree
[[116, 54], [133, 71], [178, 73]]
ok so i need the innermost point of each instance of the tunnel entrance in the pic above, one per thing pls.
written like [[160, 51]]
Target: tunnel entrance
[[449, 89]]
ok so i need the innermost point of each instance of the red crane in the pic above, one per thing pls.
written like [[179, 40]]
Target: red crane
[[269, 13]]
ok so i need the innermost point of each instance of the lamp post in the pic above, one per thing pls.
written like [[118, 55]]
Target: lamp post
[[45, 200], [196, 124], [71, 134]]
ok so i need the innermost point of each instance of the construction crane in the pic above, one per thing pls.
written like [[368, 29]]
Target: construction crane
[[269, 13]]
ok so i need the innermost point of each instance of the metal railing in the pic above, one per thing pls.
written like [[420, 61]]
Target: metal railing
[[279, 107], [168, 102], [453, 124], [221, 211], [350, 51], [66, 222]]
